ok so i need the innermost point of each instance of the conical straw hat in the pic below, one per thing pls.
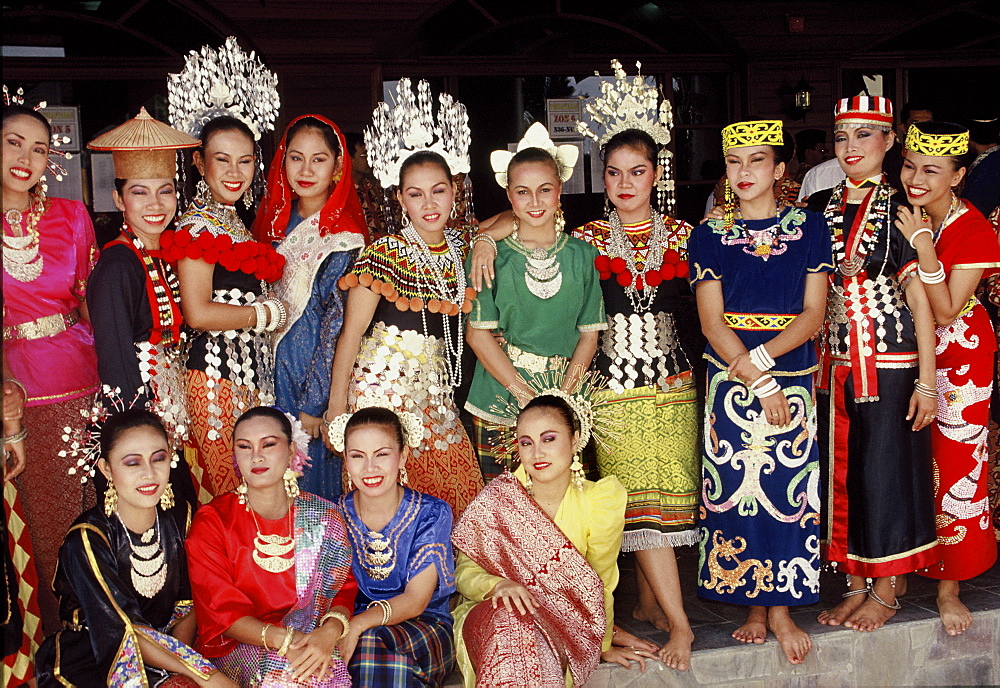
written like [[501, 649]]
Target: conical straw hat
[[142, 133]]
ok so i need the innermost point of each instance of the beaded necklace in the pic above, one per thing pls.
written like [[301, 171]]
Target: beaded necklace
[[852, 259], [166, 291], [619, 247], [434, 279], [21, 257]]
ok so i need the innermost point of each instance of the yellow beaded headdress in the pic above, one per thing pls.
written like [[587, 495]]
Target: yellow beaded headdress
[[762, 132], [937, 144]]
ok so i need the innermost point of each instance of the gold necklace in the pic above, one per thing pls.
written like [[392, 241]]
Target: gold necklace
[[21, 257], [270, 550], [379, 556], [148, 561]]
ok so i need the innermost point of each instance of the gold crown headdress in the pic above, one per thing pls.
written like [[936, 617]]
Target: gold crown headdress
[[413, 429], [537, 136], [936, 144], [85, 442], [409, 127], [762, 132], [223, 81], [596, 417], [57, 170], [628, 103]]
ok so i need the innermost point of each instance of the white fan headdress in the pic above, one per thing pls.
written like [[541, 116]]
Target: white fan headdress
[[409, 127], [628, 103], [223, 81], [537, 136]]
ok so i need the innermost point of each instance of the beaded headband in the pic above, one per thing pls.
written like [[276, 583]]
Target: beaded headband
[[763, 132], [937, 144], [413, 429], [537, 136], [874, 110], [223, 81], [57, 170], [85, 443], [628, 103], [409, 127], [596, 417]]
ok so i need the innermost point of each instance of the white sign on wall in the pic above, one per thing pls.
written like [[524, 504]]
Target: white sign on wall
[[562, 115], [65, 121]]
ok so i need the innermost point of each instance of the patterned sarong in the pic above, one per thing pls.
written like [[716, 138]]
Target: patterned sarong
[[508, 535], [212, 467]]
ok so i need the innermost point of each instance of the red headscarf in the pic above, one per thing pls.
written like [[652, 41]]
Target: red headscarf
[[341, 212]]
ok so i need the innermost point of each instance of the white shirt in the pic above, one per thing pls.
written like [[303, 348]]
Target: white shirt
[[825, 175]]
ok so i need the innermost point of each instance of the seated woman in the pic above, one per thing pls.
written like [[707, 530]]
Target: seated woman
[[121, 580], [537, 558], [272, 613], [402, 632]]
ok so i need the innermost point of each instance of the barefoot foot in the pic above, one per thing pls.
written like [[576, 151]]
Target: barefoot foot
[[755, 628], [873, 613], [955, 616], [654, 616], [676, 653], [795, 642], [840, 613], [622, 638]]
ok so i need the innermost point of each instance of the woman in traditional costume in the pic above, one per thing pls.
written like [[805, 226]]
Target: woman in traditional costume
[[49, 251], [545, 299], [311, 209], [270, 566], [403, 337], [876, 380], [759, 277], [122, 580], [133, 295], [537, 562], [956, 248], [224, 274], [401, 633]]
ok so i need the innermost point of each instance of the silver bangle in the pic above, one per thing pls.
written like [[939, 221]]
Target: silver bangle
[[936, 277], [760, 358], [484, 237], [261, 312]]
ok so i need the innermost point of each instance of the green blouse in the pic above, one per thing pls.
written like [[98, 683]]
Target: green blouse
[[536, 329]]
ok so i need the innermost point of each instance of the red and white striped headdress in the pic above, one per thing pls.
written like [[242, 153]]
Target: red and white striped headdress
[[873, 110]]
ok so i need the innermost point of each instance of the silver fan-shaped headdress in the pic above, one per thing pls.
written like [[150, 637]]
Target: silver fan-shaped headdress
[[628, 103], [223, 81], [408, 127]]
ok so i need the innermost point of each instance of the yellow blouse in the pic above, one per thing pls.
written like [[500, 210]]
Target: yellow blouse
[[593, 519]]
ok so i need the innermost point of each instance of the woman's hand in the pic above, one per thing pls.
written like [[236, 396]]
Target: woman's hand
[[311, 424], [481, 265], [776, 409], [510, 593], [923, 410], [16, 451], [285, 326], [909, 222], [13, 401], [332, 411], [349, 644], [626, 655], [715, 213], [743, 369], [310, 653]]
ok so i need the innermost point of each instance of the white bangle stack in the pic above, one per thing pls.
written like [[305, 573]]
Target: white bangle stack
[[760, 358], [484, 237], [261, 312], [918, 233], [936, 277], [769, 388]]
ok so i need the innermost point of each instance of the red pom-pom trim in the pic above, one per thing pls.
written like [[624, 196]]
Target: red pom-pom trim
[[624, 278], [653, 278], [671, 256], [638, 282], [602, 263], [618, 265], [668, 271], [682, 269]]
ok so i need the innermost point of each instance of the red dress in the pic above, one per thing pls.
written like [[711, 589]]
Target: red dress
[[959, 436]]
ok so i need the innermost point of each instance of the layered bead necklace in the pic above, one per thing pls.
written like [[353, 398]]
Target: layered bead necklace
[[166, 289], [436, 283], [22, 259], [852, 259], [148, 562], [619, 246], [542, 272]]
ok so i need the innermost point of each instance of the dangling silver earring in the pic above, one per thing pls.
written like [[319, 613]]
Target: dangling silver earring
[[291, 479], [608, 207], [202, 193], [248, 198], [578, 475], [560, 221]]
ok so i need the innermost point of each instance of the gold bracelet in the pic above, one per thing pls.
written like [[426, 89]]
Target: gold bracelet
[[386, 610], [263, 635], [283, 650], [342, 618], [17, 436]]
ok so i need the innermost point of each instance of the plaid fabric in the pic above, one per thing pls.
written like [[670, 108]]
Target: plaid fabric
[[417, 652], [20, 667], [487, 436]]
